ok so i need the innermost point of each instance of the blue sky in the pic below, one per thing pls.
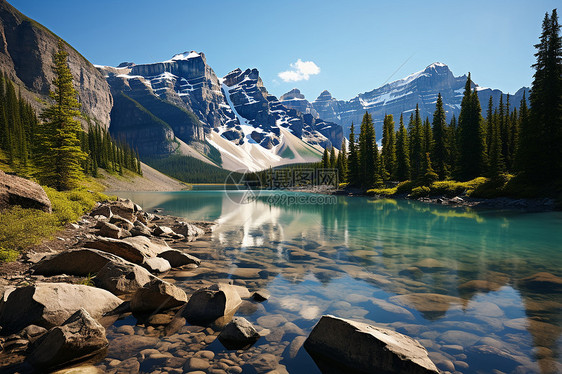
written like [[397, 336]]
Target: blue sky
[[346, 47]]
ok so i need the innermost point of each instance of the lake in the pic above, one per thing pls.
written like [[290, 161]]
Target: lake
[[461, 281]]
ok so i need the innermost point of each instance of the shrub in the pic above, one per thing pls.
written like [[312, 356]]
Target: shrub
[[405, 187], [420, 191], [382, 191], [453, 188], [8, 255]]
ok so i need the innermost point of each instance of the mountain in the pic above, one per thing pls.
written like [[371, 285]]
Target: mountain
[[398, 97], [26, 57], [180, 106]]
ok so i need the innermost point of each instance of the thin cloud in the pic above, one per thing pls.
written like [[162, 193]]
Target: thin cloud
[[301, 70]]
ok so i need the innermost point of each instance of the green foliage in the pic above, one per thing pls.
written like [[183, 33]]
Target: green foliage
[[404, 187], [88, 280], [388, 148], [353, 176], [402, 172], [416, 141], [420, 191], [382, 191], [189, 169], [368, 152], [454, 188], [441, 146], [8, 255], [59, 158]]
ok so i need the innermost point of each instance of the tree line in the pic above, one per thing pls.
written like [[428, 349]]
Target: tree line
[[526, 142], [54, 148]]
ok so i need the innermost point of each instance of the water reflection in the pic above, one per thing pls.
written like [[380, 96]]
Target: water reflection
[[461, 281]]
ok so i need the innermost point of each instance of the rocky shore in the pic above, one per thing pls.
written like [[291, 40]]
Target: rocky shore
[[102, 297]]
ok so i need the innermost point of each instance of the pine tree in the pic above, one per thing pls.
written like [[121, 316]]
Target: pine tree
[[489, 122], [429, 175], [427, 144], [342, 162], [540, 152], [472, 141], [402, 153], [441, 148], [325, 162], [353, 175], [523, 124], [60, 158], [453, 142], [497, 166], [368, 152], [333, 163], [415, 132], [388, 147]]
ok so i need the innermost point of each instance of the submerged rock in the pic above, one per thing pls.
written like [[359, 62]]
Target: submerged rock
[[355, 347], [79, 337], [210, 303], [50, 304], [543, 281]]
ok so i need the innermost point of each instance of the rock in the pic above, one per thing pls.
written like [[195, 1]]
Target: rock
[[120, 277], [243, 291], [121, 347], [188, 229], [124, 208], [50, 304], [80, 262], [429, 264], [156, 264], [261, 295], [430, 304], [137, 208], [195, 363], [178, 258], [296, 345], [121, 222], [79, 337], [139, 229], [134, 249], [109, 230], [33, 332], [456, 200], [238, 334], [480, 285], [366, 348], [263, 363], [209, 303], [23, 192], [102, 210], [391, 308], [543, 281], [162, 231], [159, 319], [157, 295]]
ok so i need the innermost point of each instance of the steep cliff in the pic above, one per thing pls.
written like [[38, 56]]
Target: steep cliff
[[26, 56]]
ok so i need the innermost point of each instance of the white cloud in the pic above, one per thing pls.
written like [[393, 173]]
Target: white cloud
[[302, 70]]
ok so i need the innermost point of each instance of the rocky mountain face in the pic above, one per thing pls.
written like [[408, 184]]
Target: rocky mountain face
[[180, 105], [401, 96], [26, 56]]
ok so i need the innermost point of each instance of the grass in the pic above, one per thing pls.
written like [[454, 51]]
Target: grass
[[21, 228]]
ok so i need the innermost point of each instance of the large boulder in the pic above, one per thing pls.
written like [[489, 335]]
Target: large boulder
[[178, 258], [140, 228], [78, 338], [120, 277], [156, 265], [134, 249], [121, 222], [210, 303], [238, 334], [356, 347], [157, 295], [23, 192], [109, 230], [102, 210], [79, 262], [50, 304], [124, 208]]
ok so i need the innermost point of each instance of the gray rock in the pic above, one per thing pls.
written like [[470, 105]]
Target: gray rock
[[162, 231], [178, 258], [139, 229], [238, 334], [134, 249], [361, 347], [210, 303], [124, 208], [156, 264], [80, 262], [157, 295], [79, 337], [50, 304], [188, 229], [33, 332], [120, 277], [23, 192]]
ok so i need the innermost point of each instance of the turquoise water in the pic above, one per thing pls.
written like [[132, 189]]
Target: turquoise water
[[453, 278]]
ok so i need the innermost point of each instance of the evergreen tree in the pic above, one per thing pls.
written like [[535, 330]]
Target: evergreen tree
[[541, 136], [325, 162], [342, 162], [333, 163], [453, 142], [367, 152], [472, 142], [495, 152], [427, 144], [388, 147], [489, 123], [402, 153], [441, 148], [523, 124], [353, 175], [416, 144], [429, 175], [60, 158]]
